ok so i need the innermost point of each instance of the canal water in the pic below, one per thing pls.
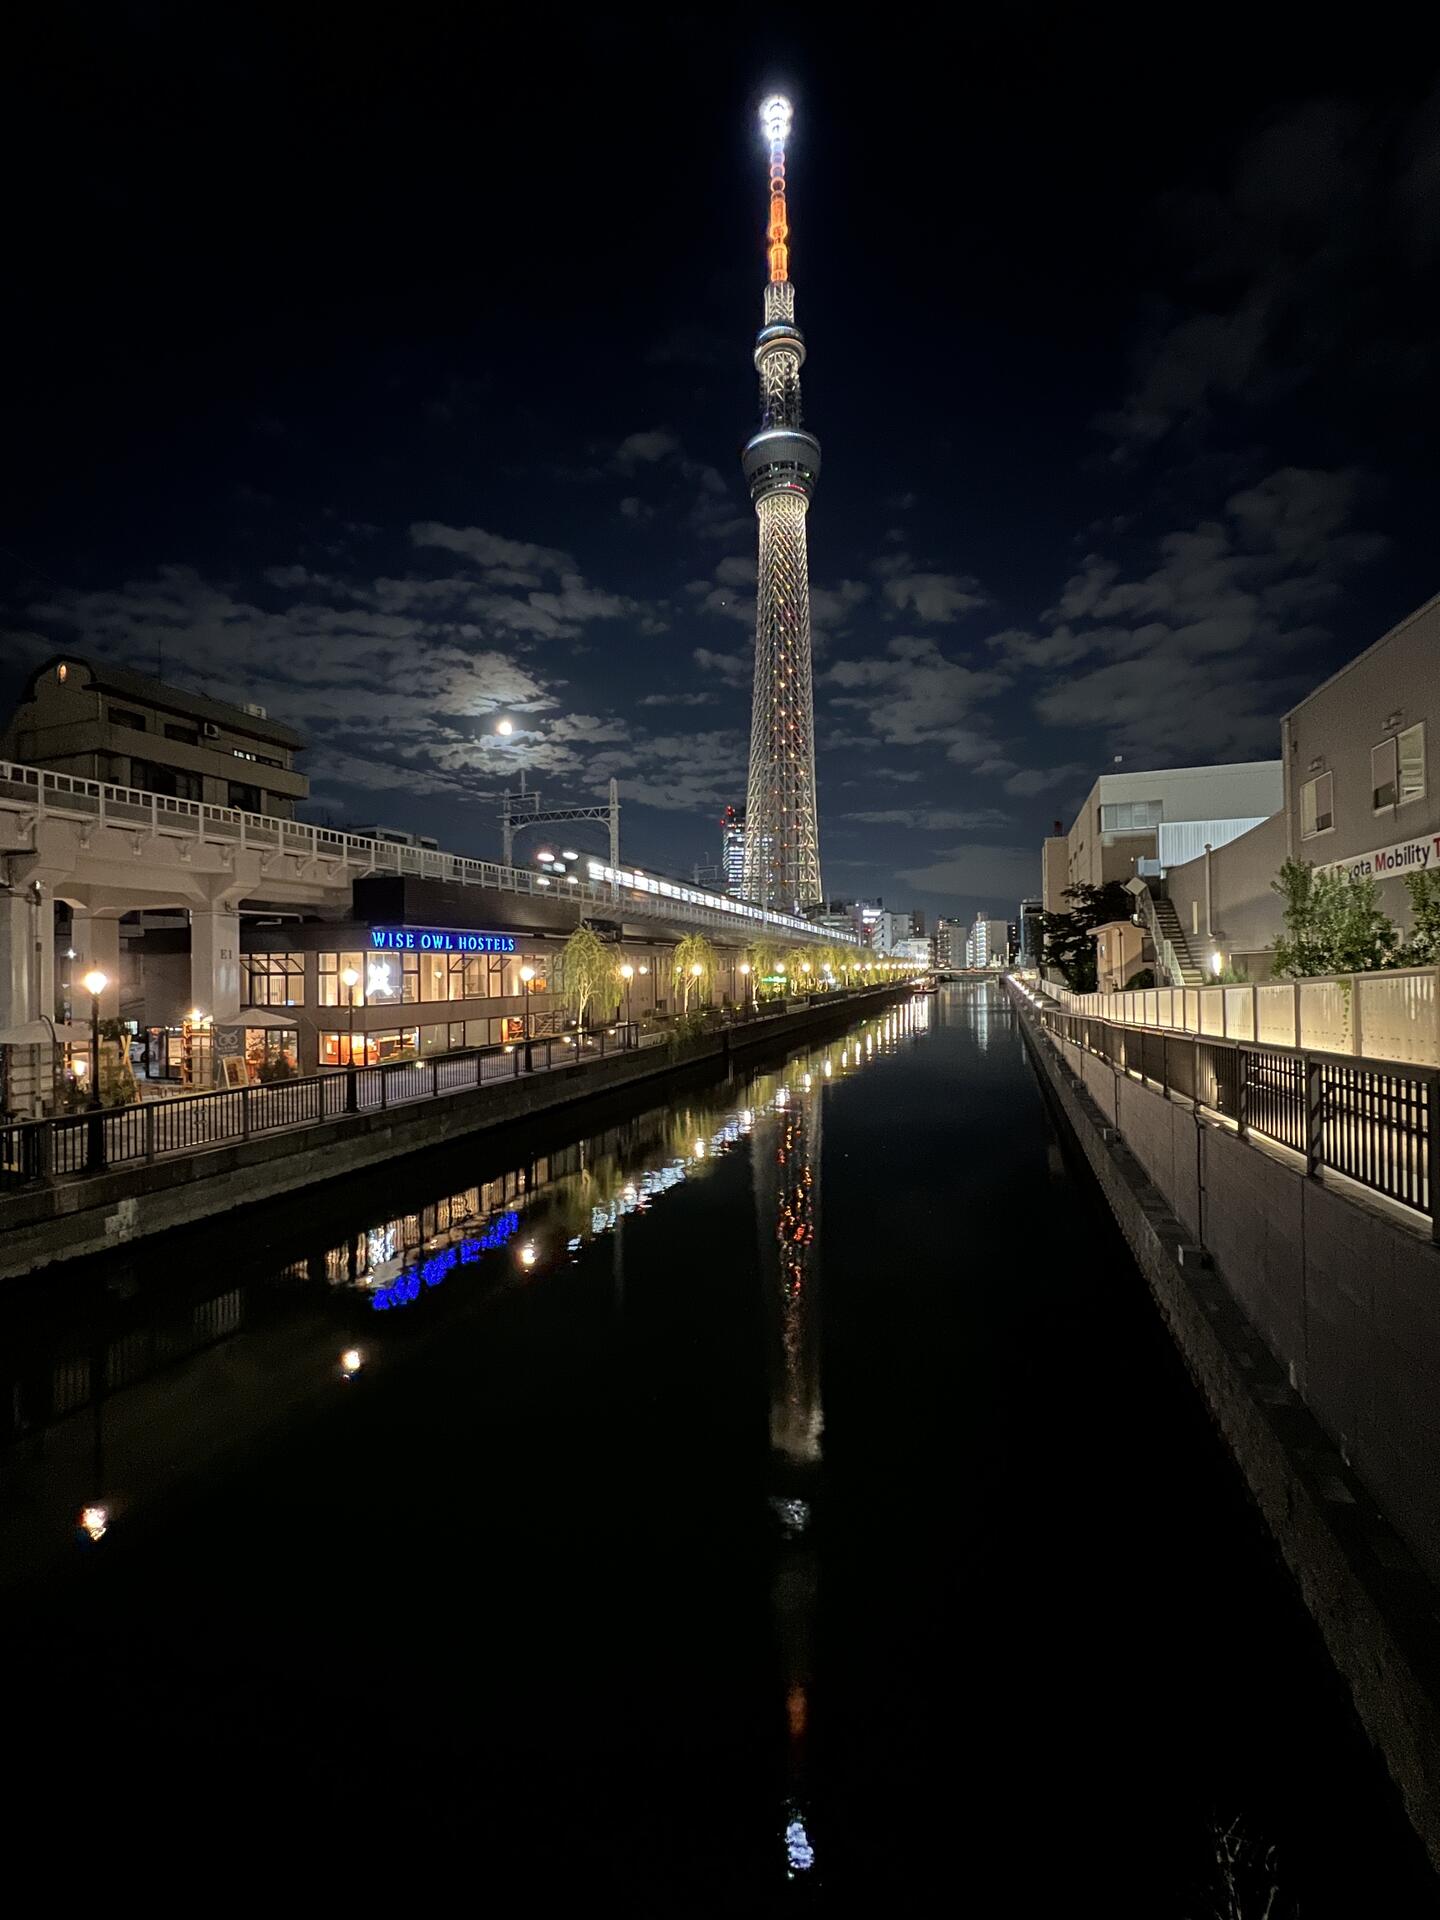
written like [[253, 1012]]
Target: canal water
[[779, 1498]]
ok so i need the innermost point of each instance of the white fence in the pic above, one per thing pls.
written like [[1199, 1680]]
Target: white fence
[[1378, 1016]]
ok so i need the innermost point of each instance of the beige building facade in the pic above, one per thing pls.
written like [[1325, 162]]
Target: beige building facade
[[1362, 793], [1117, 833], [106, 723]]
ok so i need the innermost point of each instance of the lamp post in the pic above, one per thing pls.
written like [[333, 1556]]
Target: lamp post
[[750, 987], [95, 983], [627, 974], [527, 974], [351, 980], [696, 970]]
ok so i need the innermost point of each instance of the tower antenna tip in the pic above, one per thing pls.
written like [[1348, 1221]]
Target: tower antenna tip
[[775, 117]]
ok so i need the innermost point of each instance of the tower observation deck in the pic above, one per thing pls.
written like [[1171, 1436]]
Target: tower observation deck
[[781, 462]]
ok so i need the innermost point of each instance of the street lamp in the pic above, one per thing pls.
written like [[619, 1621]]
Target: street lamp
[[527, 974], [696, 969], [95, 983], [745, 975], [627, 974], [351, 980]]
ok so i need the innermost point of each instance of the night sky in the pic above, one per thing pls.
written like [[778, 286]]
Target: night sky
[[391, 368]]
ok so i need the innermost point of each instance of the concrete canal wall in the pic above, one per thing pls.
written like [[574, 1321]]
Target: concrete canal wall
[[54, 1221], [1311, 1323]]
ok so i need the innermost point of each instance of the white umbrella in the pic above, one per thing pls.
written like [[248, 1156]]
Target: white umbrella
[[262, 1017], [40, 1033]]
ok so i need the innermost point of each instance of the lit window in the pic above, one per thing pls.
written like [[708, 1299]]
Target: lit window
[[333, 991], [1317, 805], [275, 979]]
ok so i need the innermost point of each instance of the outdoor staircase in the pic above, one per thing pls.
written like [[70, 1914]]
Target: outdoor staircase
[[1168, 923]]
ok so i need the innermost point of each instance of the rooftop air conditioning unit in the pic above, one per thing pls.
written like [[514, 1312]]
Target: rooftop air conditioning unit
[[210, 730], [256, 713]]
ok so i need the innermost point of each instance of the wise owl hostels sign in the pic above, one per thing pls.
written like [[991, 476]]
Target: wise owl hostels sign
[[438, 940]]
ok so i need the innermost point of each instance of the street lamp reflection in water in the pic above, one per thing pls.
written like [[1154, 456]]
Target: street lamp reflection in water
[[94, 1523]]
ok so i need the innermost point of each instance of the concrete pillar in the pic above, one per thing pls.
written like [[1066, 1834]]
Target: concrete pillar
[[97, 944], [44, 947], [215, 962], [15, 960]]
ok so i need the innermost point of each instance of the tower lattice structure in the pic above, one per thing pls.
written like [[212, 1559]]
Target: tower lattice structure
[[781, 463]]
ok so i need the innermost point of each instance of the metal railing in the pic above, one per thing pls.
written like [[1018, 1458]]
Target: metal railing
[[337, 858], [91, 1142], [1373, 1121]]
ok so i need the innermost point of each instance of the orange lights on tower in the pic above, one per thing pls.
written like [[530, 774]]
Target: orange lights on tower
[[775, 119]]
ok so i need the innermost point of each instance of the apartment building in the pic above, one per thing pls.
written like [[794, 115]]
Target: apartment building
[[107, 723]]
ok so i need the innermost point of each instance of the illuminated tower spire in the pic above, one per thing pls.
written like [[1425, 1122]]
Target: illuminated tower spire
[[781, 462]]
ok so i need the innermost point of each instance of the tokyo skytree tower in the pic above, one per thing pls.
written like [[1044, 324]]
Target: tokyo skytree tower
[[781, 462]]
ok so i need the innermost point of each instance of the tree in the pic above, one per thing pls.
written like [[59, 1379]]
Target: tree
[[1422, 949], [694, 967], [802, 969], [117, 1076], [1068, 944], [764, 958], [591, 972], [1333, 923]]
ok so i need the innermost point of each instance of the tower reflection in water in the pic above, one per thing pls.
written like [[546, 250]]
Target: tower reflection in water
[[148, 1348], [785, 1146], [786, 1153]]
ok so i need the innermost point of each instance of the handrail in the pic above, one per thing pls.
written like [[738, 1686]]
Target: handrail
[[1164, 950], [130, 809]]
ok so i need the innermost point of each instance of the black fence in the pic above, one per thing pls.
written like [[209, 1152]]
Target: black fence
[[80, 1143], [1375, 1121]]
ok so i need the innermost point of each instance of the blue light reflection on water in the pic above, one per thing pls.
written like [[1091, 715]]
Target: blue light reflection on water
[[406, 1286], [641, 1189]]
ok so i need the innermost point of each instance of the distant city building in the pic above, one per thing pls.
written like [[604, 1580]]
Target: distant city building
[[948, 945], [1031, 933], [988, 943], [865, 918], [106, 723], [732, 849], [916, 948]]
